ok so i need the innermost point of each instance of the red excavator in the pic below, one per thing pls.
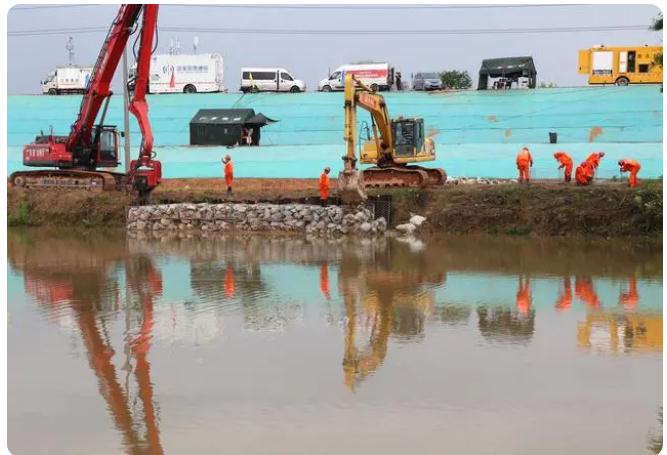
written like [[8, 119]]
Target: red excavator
[[90, 146]]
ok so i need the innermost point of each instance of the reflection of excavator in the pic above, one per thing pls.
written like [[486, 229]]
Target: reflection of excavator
[[395, 144], [84, 293], [90, 146], [388, 302]]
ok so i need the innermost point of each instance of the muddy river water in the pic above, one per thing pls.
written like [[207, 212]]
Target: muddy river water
[[474, 345]]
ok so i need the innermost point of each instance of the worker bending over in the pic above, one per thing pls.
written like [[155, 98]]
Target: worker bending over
[[594, 158], [566, 163], [584, 173], [631, 166], [229, 172], [524, 162], [324, 186]]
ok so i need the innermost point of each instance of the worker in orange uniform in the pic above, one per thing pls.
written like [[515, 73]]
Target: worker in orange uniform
[[584, 173], [524, 162], [324, 186], [564, 301], [229, 172], [230, 282], [566, 163], [594, 158], [633, 168], [324, 281], [630, 299], [524, 298]]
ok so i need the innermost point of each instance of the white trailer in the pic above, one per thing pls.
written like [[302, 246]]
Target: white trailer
[[66, 79], [185, 73], [378, 76]]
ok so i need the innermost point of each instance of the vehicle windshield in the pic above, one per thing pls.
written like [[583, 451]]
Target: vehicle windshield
[[335, 76], [430, 76]]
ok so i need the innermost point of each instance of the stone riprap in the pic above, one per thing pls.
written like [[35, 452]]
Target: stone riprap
[[309, 219]]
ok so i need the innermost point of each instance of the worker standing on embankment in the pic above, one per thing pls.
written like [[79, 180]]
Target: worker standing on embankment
[[566, 163], [524, 162], [631, 166], [229, 172], [324, 186]]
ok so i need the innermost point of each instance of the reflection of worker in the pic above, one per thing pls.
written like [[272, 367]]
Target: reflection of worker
[[324, 281], [230, 282], [631, 166], [324, 186], [584, 290], [564, 301], [584, 173], [229, 172], [630, 299], [524, 298], [524, 161], [565, 161]]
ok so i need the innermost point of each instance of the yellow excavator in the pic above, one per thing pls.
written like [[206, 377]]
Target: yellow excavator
[[395, 143]]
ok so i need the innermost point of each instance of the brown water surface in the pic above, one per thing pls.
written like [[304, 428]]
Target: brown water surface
[[474, 345]]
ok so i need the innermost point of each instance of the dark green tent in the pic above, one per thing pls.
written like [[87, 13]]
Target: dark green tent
[[508, 67], [225, 126]]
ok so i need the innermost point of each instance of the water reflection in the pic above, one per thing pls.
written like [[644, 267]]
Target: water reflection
[[387, 296]]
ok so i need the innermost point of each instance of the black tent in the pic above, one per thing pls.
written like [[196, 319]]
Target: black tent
[[508, 67], [225, 126]]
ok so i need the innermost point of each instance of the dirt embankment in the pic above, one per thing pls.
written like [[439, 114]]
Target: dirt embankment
[[542, 209], [609, 210]]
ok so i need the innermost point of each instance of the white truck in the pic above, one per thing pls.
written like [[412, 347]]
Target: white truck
[[269, 80], [185, 73], [377, 76], [66, 80]]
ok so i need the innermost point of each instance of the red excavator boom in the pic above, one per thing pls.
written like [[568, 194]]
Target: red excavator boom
[[91, 145]]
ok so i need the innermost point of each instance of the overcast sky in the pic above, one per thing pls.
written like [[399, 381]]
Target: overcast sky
[[309, 56]]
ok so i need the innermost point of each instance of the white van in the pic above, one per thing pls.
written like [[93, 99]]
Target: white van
[[269, 80], [378, 76]]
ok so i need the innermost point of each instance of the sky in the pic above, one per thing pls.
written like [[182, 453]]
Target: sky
[[310, 56]]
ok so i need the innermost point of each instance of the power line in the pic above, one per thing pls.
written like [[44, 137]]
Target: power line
[[262, 31], [305, 7]]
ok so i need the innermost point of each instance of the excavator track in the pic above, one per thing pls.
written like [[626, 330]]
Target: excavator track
[[68, 179], [404, 176]]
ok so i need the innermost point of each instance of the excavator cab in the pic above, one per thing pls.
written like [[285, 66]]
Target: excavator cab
[[408, 137], [107, 146]]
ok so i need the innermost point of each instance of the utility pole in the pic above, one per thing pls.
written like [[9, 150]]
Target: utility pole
[[126, 112]]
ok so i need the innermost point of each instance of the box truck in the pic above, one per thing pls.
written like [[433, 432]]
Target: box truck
[[377, 76], [621, 65], [66, 80], [185, 73]]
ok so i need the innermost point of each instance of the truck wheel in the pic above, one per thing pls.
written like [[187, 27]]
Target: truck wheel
[[622, 81], [326, 88], [189, 89], [254, 89], [374, 87], [53, 91], [294, 89]]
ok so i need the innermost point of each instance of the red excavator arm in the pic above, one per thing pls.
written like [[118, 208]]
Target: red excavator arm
[[90, 146]]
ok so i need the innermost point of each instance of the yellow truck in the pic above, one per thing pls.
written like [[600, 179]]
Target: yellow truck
[[621, 65]]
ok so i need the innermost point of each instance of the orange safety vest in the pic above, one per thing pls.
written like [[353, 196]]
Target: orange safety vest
[[594, 159], [563, 158], [524, 158], [229, 173], [324, 185], [630, 166]]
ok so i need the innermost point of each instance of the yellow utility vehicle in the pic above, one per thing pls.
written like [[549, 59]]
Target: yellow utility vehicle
[[395, 143], [621, 65]]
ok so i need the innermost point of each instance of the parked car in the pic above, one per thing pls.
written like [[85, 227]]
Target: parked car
[[269, 80], [426, 81]]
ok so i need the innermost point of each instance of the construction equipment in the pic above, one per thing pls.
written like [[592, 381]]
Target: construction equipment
[[91, 145], [395, 144]]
